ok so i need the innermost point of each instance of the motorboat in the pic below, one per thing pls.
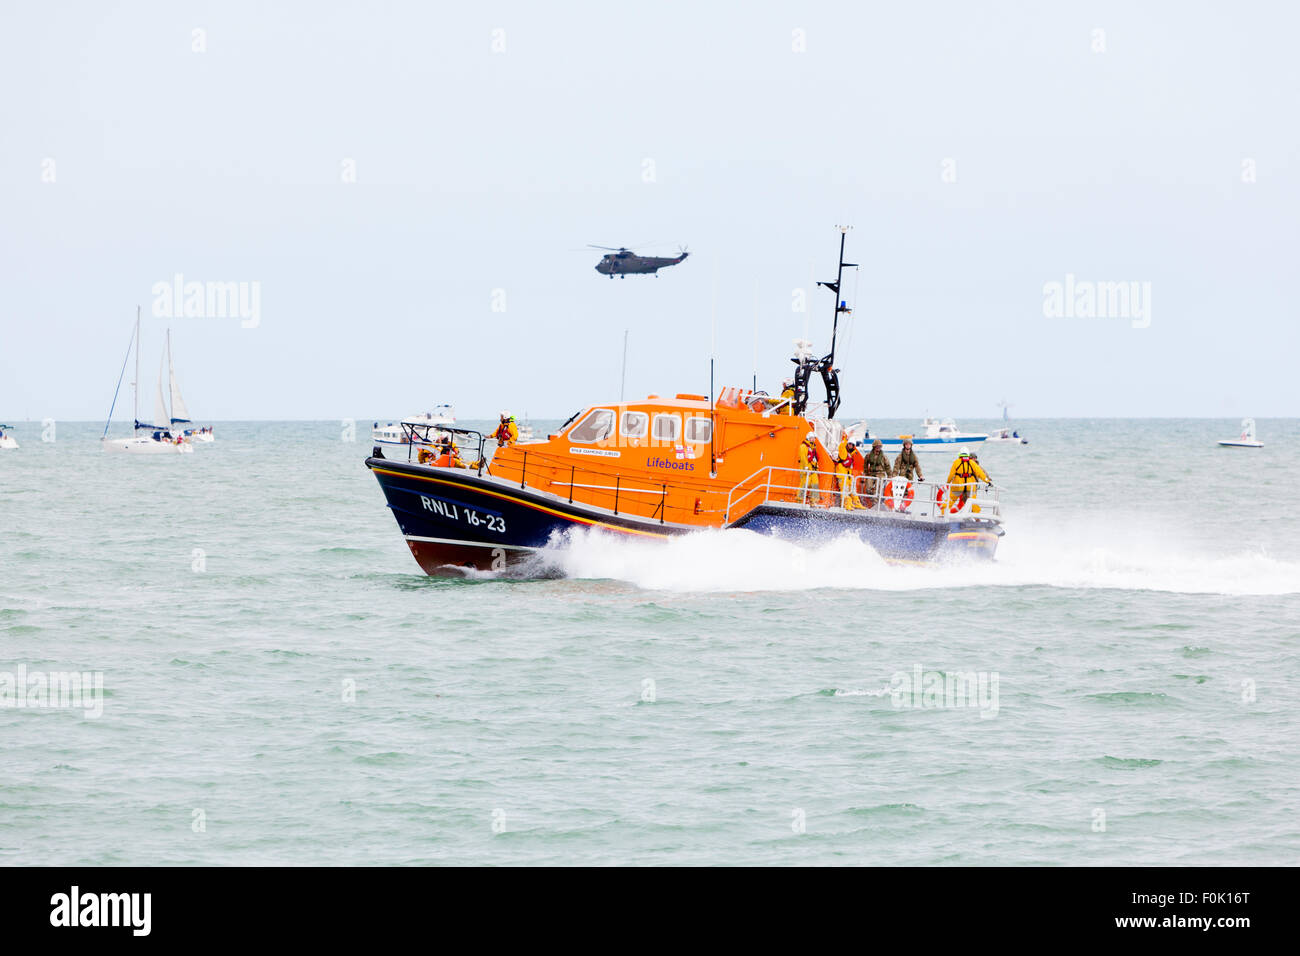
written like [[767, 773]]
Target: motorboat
[[7, 441], [396, 437], [1006, 436], [935, 435], [660, 467]]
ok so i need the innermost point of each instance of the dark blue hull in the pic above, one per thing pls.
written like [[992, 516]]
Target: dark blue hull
[[454, 518], [894, 537]]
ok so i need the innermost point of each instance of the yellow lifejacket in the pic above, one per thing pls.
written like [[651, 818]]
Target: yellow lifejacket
[[507, 432], [966, 471]]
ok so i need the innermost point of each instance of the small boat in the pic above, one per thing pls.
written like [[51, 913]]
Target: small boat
[[180, 415], [662, 467], [1006, 436], [396, 438], [1246, 439], [148, 438], [7, 441], [935, 435]]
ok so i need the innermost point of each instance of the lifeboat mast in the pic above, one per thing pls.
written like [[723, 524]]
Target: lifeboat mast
[[805, 365]]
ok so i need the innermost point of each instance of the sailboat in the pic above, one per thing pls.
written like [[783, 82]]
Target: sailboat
[[1247, 438], [147, 439], [180, 415]]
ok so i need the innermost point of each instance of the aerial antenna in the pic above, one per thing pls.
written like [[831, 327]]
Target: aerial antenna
[[622, 383], [841, 306], [713, 351], [807, 305], [826, 365]]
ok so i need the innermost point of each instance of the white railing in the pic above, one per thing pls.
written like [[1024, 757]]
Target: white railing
[[881, 496]]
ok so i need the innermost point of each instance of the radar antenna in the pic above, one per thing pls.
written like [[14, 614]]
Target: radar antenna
[[805, 365]]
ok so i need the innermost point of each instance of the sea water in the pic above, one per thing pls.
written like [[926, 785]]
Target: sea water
[[279, 683]]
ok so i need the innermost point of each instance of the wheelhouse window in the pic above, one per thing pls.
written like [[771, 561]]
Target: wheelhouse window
[[635, 424], [667, 428], [699, 431], [597, 426]]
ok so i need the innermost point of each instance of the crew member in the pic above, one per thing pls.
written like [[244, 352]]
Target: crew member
[[963, 480], [906, 467], [448, 453], [852, 465], [857, 462], [787, 393], [841, 471], [808, 468], [507, 432], [876, 471], [906, 464]]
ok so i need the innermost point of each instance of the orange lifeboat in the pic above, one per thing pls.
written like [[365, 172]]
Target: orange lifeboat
[[662, 467]]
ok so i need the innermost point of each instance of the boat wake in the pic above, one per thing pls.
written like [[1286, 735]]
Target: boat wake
[[1060, 557]]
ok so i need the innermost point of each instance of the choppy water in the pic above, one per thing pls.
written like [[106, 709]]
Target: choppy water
[[695, 702]]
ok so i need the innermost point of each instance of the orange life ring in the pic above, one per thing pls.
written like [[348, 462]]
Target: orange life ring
[[903, 501]]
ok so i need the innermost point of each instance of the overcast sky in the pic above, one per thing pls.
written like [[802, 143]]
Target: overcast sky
[[979, 150]]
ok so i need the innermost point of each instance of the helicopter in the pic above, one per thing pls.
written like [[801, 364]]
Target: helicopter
[[624, 262]]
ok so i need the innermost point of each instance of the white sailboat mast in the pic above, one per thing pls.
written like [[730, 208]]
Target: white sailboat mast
[[179, 412], [135, 385], [159, 402]]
